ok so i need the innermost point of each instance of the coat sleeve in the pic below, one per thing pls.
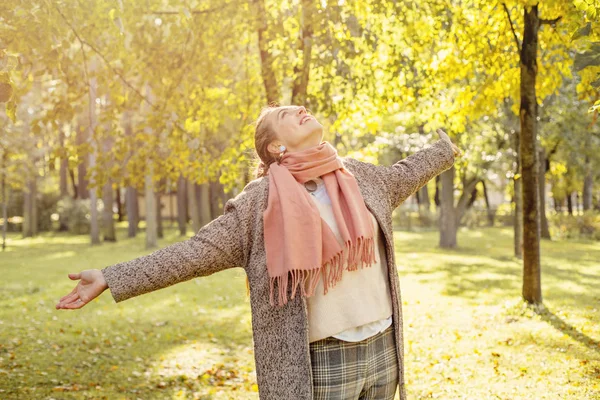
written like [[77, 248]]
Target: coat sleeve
[[217, 246], [408, 175]]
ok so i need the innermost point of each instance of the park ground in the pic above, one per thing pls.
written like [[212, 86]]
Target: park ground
[[467, 333]]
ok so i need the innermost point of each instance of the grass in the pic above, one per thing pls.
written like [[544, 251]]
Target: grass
[[467, 334]]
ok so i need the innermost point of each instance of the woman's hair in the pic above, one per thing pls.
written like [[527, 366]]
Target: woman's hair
[[263, 135]]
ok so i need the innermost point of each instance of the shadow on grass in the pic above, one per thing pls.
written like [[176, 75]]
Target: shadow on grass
[[152, 346], [484, 260], [199, 355], [565, 328]]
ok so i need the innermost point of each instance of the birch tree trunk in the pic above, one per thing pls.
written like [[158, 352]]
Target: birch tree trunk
[[93, 193]]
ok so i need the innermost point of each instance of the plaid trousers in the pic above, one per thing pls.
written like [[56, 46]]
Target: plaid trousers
[[364, 370]]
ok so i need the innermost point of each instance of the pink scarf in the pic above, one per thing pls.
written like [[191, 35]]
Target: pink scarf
[[297, 240]]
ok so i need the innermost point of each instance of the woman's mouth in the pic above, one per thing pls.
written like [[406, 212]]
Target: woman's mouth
[[303, 120]]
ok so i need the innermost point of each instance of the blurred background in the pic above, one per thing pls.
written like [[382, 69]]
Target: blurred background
[[127, 125]]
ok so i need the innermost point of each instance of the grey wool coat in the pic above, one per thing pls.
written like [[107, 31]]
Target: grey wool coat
[[235, 239]]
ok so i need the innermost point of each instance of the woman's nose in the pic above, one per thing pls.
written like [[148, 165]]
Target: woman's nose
[[301, 109]]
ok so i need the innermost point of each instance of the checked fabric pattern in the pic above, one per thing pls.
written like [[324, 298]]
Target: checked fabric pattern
[[365, 370]]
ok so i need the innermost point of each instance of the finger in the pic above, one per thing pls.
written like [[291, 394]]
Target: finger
[[72, 292], [77, 303], [69, 298], [75, 276]]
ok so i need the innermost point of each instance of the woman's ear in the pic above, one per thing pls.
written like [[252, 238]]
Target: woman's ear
[[273, 148]]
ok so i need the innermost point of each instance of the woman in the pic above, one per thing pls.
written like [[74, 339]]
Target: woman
[[314, 236]]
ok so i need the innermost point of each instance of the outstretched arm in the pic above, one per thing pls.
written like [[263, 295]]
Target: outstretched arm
[[218, 245], [408, 175], [215, 247]]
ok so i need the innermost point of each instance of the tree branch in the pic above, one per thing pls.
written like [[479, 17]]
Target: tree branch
[[512, 28], [554, 149], [116, 72], [550, 21], [82, 42]]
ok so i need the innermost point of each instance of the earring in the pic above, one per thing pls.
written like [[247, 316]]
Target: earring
[[281, 149]]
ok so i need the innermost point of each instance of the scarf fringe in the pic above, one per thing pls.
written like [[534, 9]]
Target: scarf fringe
[[363, 251]]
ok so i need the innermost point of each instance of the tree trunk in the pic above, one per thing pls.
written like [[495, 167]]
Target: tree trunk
[[30, 208], [171, 208], [75, 190], [469, 190], [119, 204], [436, 195], [424, 204], [518, 199], [216, 196], [149, 190], [472, 197], [149, 195], [588, 182], [570, 203], [64, 165], [226, 197], [205, 216], [532, 289], [488, 207], [518, 221], [131, 205], [64, 179], [266, 58], [194, 205], [182, 214], [423, 196], [93, 193], [159, 224], [305, 41], [82, 137], [448, 222], [108, 222], [545, 231]]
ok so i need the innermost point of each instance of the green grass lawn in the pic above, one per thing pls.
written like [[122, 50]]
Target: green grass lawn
[[467, 334]]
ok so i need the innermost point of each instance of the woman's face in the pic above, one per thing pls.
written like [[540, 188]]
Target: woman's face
[[295, 129]]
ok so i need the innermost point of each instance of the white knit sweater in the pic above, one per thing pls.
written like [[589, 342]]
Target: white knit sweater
[[359, 305]]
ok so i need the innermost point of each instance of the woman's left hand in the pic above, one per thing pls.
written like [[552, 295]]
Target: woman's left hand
[[444, 136]]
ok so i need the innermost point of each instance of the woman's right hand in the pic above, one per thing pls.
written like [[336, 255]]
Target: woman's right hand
[[92, 285]]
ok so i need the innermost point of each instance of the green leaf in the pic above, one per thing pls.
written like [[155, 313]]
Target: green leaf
[[583, 31], [588, 58]]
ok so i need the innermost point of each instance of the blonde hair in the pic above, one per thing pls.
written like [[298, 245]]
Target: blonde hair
[[264, 134]]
